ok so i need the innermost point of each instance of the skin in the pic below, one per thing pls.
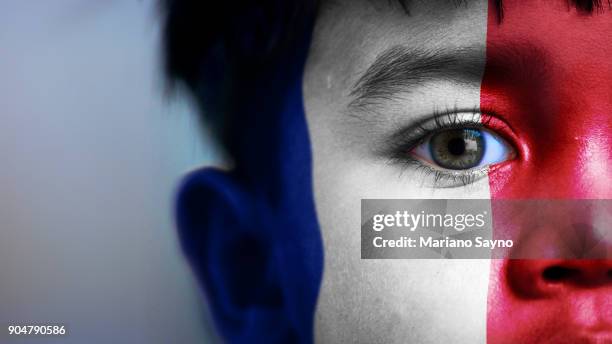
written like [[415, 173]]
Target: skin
[[390, 301], [563, 100], [471, 301]]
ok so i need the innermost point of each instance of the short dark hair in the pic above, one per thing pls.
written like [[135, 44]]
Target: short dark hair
[[215, 48]]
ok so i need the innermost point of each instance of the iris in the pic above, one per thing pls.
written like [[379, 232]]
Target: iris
[[457, 149]]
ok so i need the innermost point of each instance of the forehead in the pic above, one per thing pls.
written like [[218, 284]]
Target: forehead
[[344, 23], [554, 33], [352, 25], [350, 34]]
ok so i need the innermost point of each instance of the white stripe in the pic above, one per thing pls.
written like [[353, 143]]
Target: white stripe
[[386, 301]]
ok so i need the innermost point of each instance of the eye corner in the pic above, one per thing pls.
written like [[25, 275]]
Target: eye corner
[[501, 166]]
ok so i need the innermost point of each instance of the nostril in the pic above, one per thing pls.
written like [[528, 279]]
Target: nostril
[[558, 274], [531, 279]]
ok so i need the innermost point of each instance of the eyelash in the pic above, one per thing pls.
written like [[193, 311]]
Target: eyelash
[[406, 139]]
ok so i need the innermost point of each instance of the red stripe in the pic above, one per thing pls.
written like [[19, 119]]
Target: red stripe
[[549, 77]]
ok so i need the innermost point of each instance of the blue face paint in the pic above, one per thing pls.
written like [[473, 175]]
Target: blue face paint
[[251, 234]]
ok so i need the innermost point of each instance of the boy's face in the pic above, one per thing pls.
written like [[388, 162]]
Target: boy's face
[[542, 75]]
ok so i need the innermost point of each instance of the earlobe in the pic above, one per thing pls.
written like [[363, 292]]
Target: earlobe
[[227, 243]]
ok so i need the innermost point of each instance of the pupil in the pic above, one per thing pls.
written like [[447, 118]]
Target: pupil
[[456, 146]]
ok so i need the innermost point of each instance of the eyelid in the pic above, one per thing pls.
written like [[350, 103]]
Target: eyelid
[[448, 178]]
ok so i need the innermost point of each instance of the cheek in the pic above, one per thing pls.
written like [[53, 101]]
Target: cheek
[[563, 123], [391, 301]]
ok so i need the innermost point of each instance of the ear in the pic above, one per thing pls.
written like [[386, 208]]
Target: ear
[[227, 242]]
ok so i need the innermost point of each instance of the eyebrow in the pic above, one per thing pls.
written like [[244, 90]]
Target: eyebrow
[[400, 69]]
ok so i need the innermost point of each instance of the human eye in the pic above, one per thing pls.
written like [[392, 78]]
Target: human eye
[[456, 148]]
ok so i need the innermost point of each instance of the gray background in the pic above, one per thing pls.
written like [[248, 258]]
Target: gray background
[[91, 152]]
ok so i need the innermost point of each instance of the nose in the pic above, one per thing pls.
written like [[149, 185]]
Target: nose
[[558, 276], [532, 279], [562, 246]]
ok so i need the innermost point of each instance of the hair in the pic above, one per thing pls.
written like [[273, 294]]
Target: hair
[[217, 48]]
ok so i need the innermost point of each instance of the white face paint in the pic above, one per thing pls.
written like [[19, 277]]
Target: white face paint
[[390, 301]]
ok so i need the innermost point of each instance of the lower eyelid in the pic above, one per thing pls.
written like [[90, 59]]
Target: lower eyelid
[[443, 178], [452, 180]]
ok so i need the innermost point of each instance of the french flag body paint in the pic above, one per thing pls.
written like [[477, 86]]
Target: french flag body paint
[[390, 300], [548, 75], [546, 80]]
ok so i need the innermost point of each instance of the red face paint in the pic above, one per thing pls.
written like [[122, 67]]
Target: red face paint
[[549, 76]]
